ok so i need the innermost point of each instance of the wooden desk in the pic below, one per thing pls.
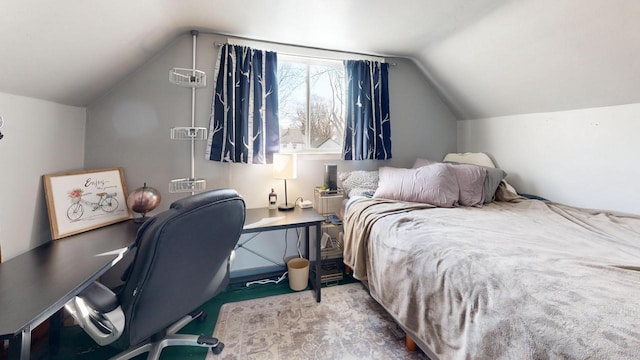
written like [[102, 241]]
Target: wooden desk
[[264, 219], [38, 283]]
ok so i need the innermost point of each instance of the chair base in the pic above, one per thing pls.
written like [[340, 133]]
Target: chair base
[[154, 348]]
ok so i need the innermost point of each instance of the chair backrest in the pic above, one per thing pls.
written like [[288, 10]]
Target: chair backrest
[[181, 261]]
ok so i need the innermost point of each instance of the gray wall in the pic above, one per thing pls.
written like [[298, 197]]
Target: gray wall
[[129, 127], [40, 137]]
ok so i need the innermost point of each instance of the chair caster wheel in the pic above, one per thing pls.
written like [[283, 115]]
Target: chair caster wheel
[[218, 349], [202, 317]]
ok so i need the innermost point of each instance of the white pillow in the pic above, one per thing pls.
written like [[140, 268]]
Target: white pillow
[[480, 159], [359, 182]]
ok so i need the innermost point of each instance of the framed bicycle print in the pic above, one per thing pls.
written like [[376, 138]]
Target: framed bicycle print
[[84, 200]]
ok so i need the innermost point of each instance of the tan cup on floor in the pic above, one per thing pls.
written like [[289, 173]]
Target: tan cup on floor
[[298, 269]]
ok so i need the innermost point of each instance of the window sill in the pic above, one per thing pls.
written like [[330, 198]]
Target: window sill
[[315, 155]]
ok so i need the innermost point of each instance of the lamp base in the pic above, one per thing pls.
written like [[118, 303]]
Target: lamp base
[[286, 207]]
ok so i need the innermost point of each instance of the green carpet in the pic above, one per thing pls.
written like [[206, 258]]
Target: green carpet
[[75, 344]]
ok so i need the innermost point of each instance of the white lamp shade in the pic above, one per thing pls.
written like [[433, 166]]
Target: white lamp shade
[[285, 166]]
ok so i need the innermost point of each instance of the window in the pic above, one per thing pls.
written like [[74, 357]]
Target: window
[[311, 105]]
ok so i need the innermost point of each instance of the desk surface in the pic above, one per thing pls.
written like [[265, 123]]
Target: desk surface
[[265, 219], [36, 284]]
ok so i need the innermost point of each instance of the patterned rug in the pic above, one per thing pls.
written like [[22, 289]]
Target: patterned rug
[[347, 324]]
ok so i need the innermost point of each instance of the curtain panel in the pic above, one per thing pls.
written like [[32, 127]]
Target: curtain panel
[[243, 125], [367, 128]]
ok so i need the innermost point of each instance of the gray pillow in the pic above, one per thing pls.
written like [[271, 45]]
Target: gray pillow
[[471, 180], [491, 183], [434, 184]]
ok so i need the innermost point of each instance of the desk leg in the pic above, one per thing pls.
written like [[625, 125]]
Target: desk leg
[[55, 325], [20, 345], [318, 262], [307, 249]]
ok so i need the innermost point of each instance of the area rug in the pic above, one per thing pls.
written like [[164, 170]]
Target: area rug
[[347, 324]]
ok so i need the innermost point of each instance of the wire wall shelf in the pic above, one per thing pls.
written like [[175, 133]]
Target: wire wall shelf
[[187, 185], [188, 77], [193, 79], [188, 133]]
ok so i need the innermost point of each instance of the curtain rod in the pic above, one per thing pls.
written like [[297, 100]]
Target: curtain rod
[[303, 47]]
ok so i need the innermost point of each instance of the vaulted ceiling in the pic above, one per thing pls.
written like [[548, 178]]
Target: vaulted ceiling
[[485, 57]]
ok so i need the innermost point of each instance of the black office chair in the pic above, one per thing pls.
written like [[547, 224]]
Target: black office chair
[[181, 261]]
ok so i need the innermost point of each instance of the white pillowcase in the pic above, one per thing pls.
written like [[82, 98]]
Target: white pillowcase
[[480, 159], [359, 182]]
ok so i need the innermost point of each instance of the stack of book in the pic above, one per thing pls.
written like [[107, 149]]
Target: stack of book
[[330, 272]]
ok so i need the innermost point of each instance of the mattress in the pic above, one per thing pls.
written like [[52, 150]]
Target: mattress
[[512, 280]]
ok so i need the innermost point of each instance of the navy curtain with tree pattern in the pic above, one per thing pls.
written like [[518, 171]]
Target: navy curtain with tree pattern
[[244, 126], [368, 129]]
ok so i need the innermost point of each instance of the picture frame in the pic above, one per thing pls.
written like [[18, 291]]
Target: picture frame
[[84, 200]]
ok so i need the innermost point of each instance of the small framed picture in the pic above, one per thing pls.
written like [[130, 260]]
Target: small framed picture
[[79, 201]]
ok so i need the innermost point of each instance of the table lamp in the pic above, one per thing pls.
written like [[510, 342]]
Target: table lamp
[[285, 166]]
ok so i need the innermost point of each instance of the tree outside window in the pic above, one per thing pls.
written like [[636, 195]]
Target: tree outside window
[[311, 105]]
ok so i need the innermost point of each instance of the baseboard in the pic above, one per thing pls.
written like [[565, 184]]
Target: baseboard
[[266, 272]]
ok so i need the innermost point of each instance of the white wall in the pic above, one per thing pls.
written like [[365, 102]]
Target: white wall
[[40, 137], [130, 125], [586, 158]]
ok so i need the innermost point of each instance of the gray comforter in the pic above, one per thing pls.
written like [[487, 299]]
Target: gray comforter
[[517, 280]]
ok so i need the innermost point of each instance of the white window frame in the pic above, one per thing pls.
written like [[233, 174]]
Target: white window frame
[[309, 61]]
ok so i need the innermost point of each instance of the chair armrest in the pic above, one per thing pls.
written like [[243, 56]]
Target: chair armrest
[[100, 298]]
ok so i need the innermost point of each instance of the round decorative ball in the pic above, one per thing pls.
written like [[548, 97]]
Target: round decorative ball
[[144, 199]]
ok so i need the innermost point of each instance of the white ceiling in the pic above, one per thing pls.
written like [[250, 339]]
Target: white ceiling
[[486, 57]]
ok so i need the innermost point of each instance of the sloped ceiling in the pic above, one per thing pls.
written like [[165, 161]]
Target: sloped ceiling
[[540, 56], [486, 57]]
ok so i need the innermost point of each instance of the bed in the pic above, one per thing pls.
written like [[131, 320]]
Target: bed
[[511, 279]]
